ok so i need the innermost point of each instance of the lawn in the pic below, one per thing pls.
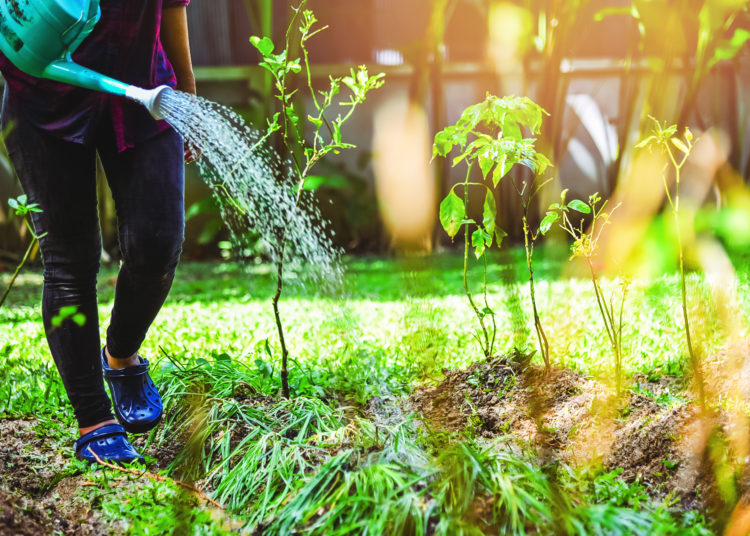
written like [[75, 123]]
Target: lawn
[[397, 423]]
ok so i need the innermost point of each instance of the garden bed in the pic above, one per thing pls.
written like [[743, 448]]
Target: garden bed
[[376, 434]]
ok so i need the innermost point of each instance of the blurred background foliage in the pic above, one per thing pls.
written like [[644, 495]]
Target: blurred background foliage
[[599, 67]]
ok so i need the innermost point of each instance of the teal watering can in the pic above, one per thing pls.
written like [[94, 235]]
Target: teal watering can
[[39, 36]]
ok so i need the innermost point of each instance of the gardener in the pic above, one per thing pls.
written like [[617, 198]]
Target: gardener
[[57, 131]]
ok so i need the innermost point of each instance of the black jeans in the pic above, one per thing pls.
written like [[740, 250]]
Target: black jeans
[[147, 184]]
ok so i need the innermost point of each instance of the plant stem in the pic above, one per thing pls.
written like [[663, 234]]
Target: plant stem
[[486, 342], [280, 328], [609, 324], [543, 343], [487, 305], [18, 270], [694, 361]]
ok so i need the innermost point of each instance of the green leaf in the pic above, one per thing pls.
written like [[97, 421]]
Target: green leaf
[[489, 214], [12, 203], [579, 206], [263, 44], [499, 236], [680, 145], [291, 114], [336, 133], [334, 182], [452, 213], [485, 164], [210, 230], [500, 170], [207, 205], [541, 163], [547, 222], [729, 49], [22, 199], [66, 312], [315, 121], [563, 197], [645, 142], [447, 138], [480, 241]]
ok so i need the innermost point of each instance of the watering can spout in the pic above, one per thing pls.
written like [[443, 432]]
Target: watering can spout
[[69, 72], [150, 98]]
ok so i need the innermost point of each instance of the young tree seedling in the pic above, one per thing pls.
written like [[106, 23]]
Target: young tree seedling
[[677, 149], [21, 208], [306, 152], [584, 245], [490, 137]]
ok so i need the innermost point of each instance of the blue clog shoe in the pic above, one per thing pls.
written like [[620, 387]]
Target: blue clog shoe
[[138, 406], [109, 443]]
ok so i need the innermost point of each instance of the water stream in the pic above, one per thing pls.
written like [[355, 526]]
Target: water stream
[[256, 190]]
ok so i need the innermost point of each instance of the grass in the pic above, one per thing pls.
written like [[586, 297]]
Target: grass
[[318, 461]]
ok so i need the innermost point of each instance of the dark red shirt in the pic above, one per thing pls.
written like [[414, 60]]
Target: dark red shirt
[[125, 45]]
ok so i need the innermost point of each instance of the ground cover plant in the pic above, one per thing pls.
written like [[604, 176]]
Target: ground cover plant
[[362, 446]]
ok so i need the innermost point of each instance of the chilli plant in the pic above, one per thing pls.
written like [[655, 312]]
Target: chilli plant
[[677, 150], [307, 139], [585, 242], [490, 138], [23, 209]]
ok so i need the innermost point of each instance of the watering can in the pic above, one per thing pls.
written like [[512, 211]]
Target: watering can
[[39, 36]]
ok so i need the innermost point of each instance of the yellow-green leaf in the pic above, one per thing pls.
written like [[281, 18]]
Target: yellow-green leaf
[[452, 213]]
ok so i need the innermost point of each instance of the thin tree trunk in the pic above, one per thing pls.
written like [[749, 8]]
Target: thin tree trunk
[[280, 328]]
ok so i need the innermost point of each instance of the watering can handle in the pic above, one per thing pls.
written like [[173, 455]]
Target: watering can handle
[[92, 13]]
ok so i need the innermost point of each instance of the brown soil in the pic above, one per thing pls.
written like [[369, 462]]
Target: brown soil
[[15, 520], [36, 493], [571, 418]]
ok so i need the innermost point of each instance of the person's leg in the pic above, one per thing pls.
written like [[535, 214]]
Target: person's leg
[[147, 184], [61, 177]]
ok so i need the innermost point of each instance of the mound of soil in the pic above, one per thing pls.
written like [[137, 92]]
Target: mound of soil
[[571, 418]]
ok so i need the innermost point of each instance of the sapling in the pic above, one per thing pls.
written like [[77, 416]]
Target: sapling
[[584, 245], [677, 149], [490, 136], [21, 208], [527, 191], [326, 137]]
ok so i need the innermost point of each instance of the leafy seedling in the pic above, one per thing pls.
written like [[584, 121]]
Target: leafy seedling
[[490, 137], [23, 209], [677, 149], [585, 245], [326, 130]]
